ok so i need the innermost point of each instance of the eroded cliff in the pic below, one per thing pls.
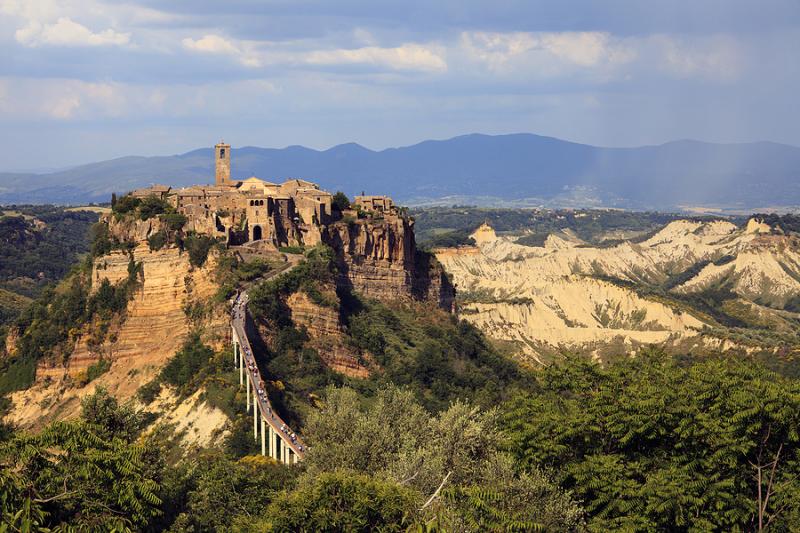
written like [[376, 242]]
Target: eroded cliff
[[136, 342], [379, 258], [568, 294]]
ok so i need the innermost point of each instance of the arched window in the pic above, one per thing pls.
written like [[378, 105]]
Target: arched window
[[222, 152]]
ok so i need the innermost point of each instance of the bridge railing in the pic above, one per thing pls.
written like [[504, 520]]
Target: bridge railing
[[283, 443]]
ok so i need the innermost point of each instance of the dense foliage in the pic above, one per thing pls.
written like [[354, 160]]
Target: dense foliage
[[38, 246], [87, 474], [41, 244], [648, 444], [340, 201], [430, 351], [395, 440], [788, 223], [48, 326]]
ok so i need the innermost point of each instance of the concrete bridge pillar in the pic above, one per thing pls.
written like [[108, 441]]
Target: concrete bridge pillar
[[263, 437], [247, 386], [272, 452], [255, 411], [283, 450], [241, 370]]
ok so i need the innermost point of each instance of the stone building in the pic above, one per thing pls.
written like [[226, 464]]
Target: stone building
[[382, 204], [252, 209]]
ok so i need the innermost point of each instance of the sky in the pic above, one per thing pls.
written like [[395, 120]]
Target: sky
[[87, 80]]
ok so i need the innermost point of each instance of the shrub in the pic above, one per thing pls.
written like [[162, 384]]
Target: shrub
[[149, 391], [296, 250], [100, 239], [126, 204], [97, 369], [174, 221], [151, 206], [192, 357], [157, 240], [198, 247], [351, 501]]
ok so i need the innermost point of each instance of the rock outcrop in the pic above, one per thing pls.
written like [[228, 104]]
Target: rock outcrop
[[138, 344], [326, 334], [379, 258]]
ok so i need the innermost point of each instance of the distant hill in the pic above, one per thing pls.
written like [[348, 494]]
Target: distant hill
[[468, 169]]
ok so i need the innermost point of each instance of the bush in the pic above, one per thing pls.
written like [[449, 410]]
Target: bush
[[108, 298], [295, 250], [352, 502], [151, 206], [157, 240], [97, 369], [198, 247], [149, 391], [340, 201], [187, 363], [100, 239], [174, 221], [124, 205]]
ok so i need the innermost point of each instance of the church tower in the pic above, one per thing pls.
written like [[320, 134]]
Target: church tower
[[222, 159]]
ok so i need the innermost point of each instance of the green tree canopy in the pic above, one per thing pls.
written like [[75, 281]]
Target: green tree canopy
[[340, 201], [648, 444]]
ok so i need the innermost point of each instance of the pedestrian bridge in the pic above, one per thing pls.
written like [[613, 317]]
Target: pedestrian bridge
[[277, 438]]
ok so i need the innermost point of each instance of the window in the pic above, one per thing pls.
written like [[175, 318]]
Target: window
[[222, 152]]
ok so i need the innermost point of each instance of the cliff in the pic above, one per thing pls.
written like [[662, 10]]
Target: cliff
[[326, 334], [138, 343], [379, 258]]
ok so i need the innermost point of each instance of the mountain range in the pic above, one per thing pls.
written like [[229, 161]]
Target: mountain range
[[479, 169]]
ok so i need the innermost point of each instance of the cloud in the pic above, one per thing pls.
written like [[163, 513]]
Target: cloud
[[716, 58], [63, 108], [212, 44], [66, 32], [65, 99], [405, 57], [579, 49], [216, 44]]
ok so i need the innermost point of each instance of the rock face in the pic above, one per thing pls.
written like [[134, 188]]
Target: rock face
[[324, 329], [134, 231], [379, 258], [555, 296], [154, 327]]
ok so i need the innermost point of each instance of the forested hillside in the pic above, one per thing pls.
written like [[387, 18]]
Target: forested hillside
[[38, 246]]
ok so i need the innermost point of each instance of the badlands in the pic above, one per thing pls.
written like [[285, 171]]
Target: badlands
[[568, 295]]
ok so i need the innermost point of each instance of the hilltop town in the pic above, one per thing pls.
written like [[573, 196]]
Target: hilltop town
[[241, 211]]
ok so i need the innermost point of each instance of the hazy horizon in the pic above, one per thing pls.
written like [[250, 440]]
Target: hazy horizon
[[234, 146]]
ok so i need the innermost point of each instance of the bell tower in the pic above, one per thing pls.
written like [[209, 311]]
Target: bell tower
[[222, 160]]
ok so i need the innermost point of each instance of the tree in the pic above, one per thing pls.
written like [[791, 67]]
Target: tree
[[69, 476], [340, 201], [108, 418], [222, 489], [651, 445], [341, 501], [449, 460]]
